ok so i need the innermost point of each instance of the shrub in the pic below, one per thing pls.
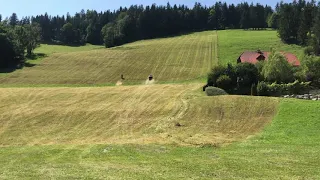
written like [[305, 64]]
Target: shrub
[[299, 74], [312, 72], [221, 70], [248, 73], [309, 51], [215, 73], [277, 69], [224, 82], [298, 87], [275, 89], [213, 91], [262, 89], [259, 65]]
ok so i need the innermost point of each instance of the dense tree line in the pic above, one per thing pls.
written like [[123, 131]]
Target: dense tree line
[[138, 22], [299, 22]]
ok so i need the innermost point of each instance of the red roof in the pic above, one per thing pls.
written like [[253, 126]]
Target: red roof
[[253, 56]]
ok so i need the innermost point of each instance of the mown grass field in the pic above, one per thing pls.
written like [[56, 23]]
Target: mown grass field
[[182, 58], [38, 148], [158, 131], [128, 114], [232, 43]]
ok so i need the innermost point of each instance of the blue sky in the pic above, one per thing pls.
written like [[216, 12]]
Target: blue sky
[[60, 7]]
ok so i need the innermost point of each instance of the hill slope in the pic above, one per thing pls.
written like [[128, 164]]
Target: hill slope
[[180, 58], [287, 149], [129, 114]]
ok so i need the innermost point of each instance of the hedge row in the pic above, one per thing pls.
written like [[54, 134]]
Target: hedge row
[[264, 89]]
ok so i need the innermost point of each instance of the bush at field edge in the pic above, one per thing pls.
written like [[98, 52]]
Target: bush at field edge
[[214, 91]]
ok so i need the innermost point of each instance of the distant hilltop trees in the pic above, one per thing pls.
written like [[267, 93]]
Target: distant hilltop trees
[[139, 22]]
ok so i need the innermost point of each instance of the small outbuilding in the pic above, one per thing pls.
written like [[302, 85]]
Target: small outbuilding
[[256, 56]]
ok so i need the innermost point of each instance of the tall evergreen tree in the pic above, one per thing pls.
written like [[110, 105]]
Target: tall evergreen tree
[[285, 22], [212, 22], [68, 33], [315, 41], [245, 16], [13, 20]]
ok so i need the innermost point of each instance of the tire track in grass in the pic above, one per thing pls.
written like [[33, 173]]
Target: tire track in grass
[[127, 108], [144, 60], [144, 96], [122, 97], [141, 68], [105, 62], [207, 60], [160, 54], [212, 56], [188, 54], [149, 69], [154, 65], [171, 73], [190, 57], [216, 50], [196, 59], [125, 67], [165, 65], [96, 62], [182, 51], [111, 74], [117, 65], [159, 51]]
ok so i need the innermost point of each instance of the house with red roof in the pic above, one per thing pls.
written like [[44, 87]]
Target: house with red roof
[[256, 56]]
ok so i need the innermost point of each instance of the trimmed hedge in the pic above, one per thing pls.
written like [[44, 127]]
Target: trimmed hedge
[[264, 89], [213, 91]]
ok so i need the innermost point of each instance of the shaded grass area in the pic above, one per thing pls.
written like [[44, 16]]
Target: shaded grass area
[[232, 43], [289, 148], [49, 49]]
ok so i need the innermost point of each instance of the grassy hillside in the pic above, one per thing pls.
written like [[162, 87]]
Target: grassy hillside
[[232, 43], [158, 131], [129, 114], [176, 59], [287, 149]]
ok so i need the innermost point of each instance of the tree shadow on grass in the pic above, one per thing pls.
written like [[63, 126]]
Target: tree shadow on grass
[[59, 43], [292, 41], [36, 56], [33, 57], [7, 70], [27, 64]]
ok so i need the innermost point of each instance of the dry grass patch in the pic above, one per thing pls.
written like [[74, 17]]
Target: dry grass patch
[[128, 114]]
